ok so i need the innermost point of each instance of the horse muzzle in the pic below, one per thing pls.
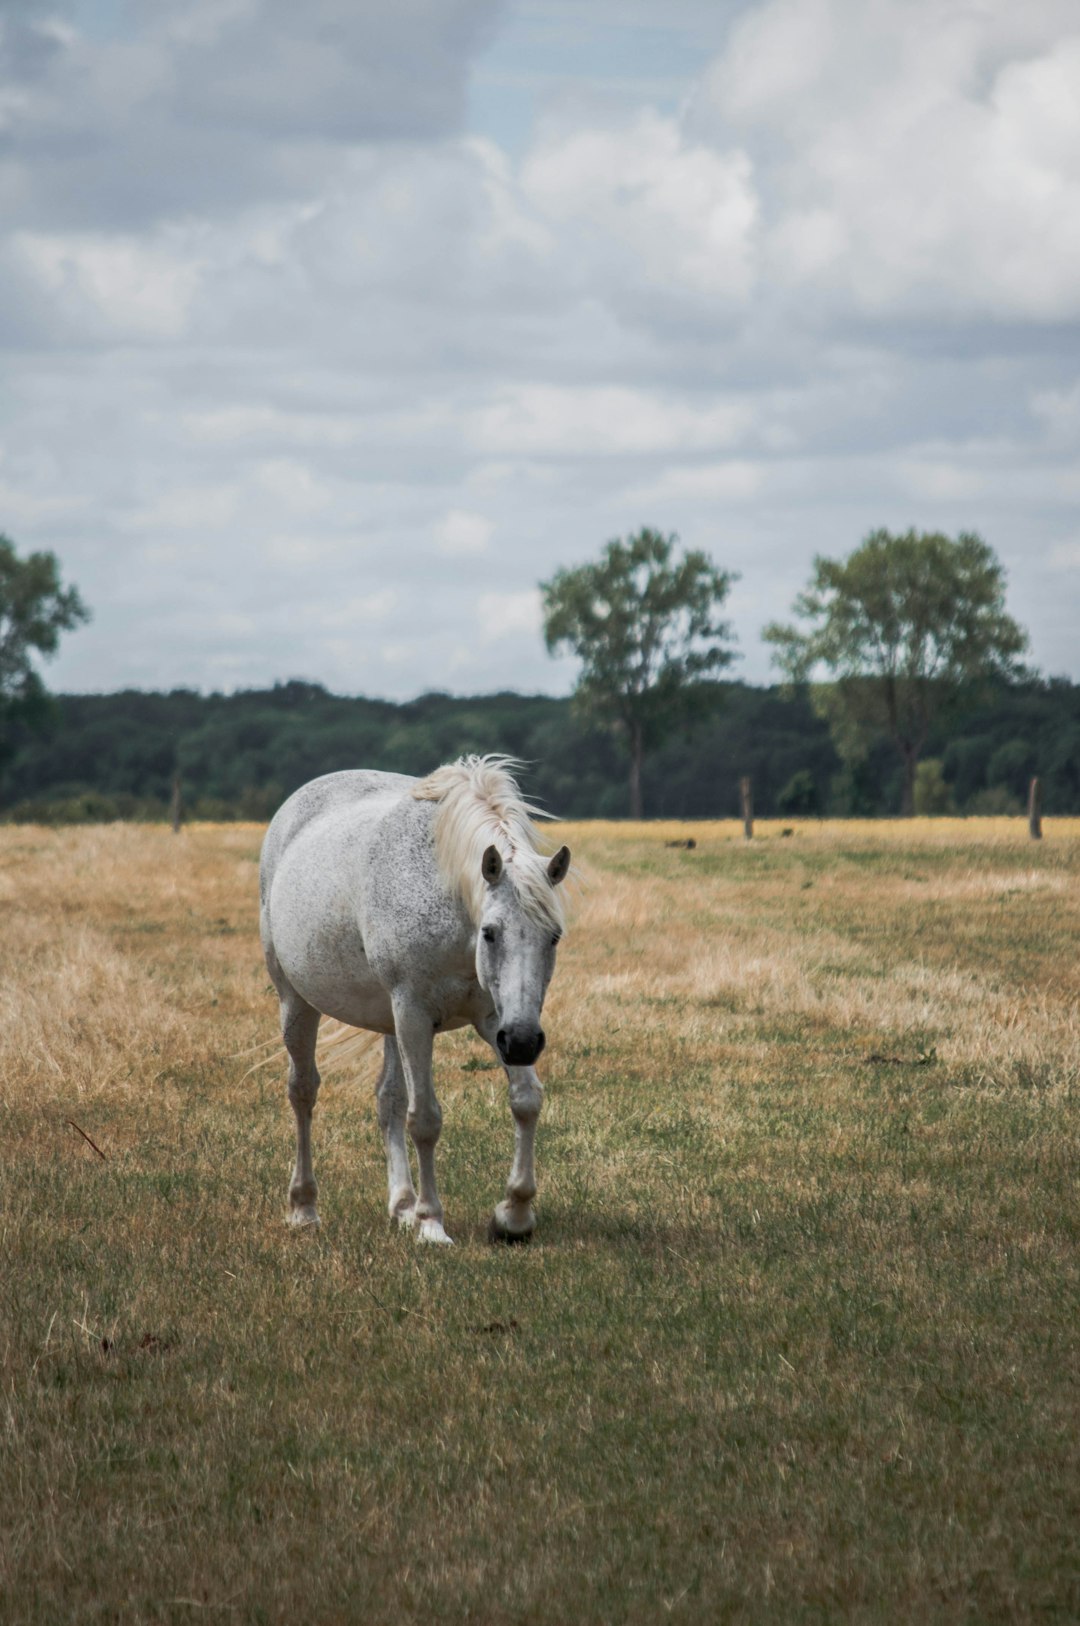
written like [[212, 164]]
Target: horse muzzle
[[520, 1044]]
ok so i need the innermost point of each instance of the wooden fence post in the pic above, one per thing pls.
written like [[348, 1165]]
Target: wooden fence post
[[176, 806], [1035, 810], [746, 801]]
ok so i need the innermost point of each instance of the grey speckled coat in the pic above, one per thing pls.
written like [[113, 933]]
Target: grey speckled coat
[[360, 922]]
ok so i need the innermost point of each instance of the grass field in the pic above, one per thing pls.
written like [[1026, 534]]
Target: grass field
[[798, 1337]]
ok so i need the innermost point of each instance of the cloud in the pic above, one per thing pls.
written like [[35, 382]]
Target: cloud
[[366, 608], [230, 99], [285, 340], [928, 157], [649, 209], [1066, 556], [197, 509], [461, 534], [733, 481], [503, 616], [1059, 411], [111, 286], [599, 421], [331, 69]]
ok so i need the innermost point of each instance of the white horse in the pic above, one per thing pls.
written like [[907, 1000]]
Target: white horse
[[409, 907]]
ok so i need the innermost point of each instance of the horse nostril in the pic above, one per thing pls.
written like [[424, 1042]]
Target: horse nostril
[[520, 1046]]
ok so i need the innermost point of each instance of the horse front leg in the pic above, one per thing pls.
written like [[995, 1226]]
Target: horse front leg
[[415, 1042], [392, 1098], [513, 1219]]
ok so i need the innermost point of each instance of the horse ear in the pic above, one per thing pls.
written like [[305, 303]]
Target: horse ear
[[559, 865], [491, 865]]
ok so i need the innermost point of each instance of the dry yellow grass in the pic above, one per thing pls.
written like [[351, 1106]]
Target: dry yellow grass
[[935, 832], [122, 947], [798, 1335], [756, 967]]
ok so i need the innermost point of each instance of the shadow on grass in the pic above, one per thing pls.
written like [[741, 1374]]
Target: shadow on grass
[[564, 1227]]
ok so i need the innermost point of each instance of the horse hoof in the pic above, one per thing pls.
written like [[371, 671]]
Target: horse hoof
[[430, 1230], [305, 1218], [500, 1231]]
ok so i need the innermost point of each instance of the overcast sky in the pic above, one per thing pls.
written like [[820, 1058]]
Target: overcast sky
[[328, 330]]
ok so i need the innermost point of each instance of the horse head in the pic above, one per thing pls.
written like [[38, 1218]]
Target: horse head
[[518, 933]]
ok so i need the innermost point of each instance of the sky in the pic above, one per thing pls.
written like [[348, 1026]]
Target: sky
[[327, 332]]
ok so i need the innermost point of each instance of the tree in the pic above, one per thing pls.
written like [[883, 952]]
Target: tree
[[906, 625], [932, 795], [34, 610], [643, 623], [799, 797]]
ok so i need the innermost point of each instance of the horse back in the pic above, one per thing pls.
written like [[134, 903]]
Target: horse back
[[319, 797]]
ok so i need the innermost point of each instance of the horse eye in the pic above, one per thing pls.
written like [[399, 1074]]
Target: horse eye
[[556, 939], [489, 934]]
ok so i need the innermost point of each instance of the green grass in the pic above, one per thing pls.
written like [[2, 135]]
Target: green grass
[[797, 1338]]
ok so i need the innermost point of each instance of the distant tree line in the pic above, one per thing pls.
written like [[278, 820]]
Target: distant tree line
[[239, 755], [904, 693]]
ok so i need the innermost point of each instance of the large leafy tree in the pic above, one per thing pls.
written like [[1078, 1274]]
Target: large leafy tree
[[643, 622], [35, 608], [904, 627]]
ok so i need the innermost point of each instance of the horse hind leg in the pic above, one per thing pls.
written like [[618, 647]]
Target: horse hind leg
[[392, 1099], [300, 1030]]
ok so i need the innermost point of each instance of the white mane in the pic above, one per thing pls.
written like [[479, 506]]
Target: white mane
[[480, 806]]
